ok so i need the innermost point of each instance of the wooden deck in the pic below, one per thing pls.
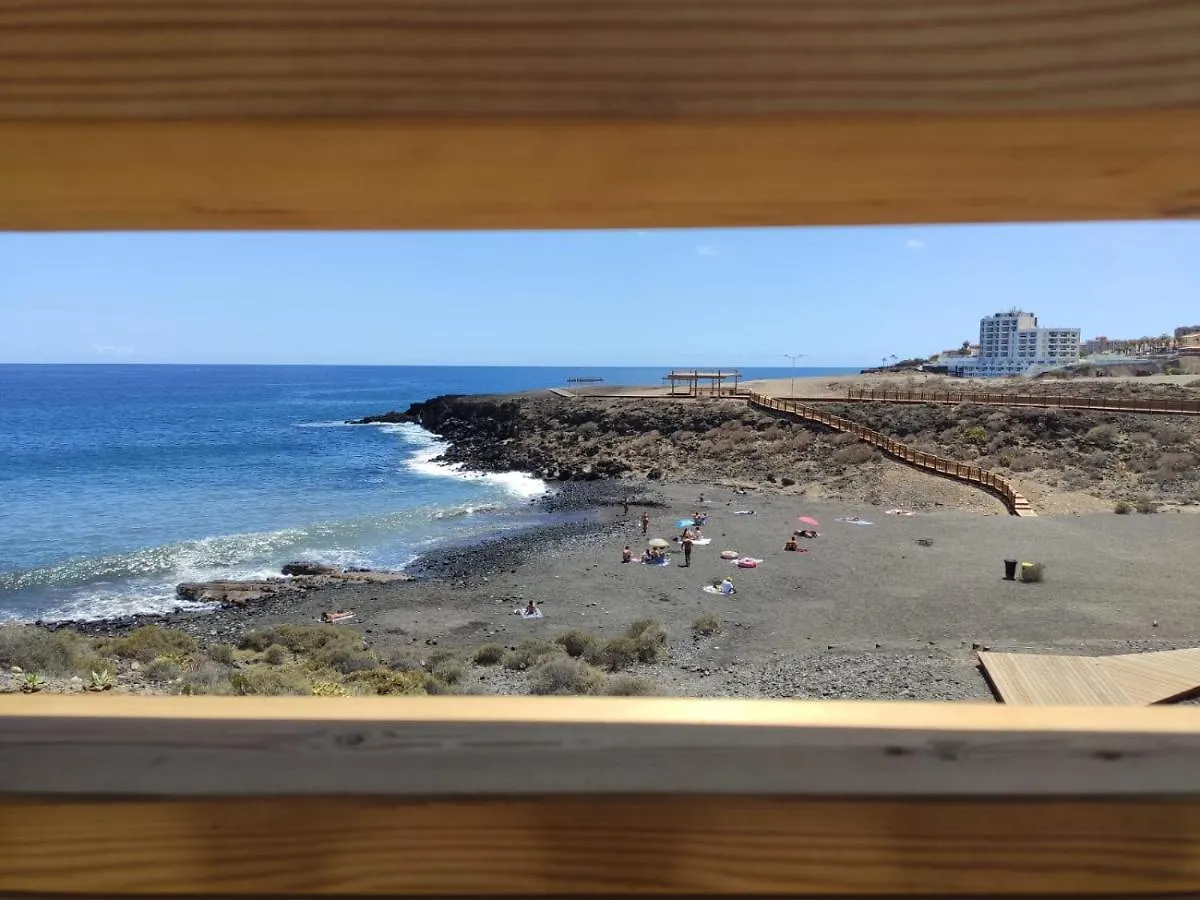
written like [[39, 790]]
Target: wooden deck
[[1137, 679]]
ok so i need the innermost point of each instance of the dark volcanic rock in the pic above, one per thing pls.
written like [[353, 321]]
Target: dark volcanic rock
[[308, 568]]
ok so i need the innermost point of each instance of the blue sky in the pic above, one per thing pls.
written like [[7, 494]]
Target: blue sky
[[843, 296]]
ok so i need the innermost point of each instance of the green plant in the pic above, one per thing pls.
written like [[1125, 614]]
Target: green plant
[[974, 434], [488, 655], [650, 639], [275, 655], [615, 654], [1146, 506], [390, 682], [449, 671], [100, 681], [706, 624], [38, 650], [207, 678], [627, 686], [1123, 508], [271, 681], [149, 642], [31, 683], [163, 669], [565, 676], [221, 653], [437, 657], [576, 642], [528, 654], [1103, 436]]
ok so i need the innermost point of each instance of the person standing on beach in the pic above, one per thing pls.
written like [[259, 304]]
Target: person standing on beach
[[625, 506], [687, 550], [645, 523]]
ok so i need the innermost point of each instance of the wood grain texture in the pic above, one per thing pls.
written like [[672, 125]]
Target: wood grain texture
[[597, 846], [429, 175], [396, 747], [655, 58]]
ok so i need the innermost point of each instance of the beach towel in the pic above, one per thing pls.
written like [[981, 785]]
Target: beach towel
[[854, 520], [700, 542], [661, 562], [900, 512], [536, 614], [743, 512], [710, 589], [748, 559]]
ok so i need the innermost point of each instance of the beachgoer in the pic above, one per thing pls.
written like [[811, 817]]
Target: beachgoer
[[625, 506], [687, 535], [700, 499], [806, 533], [648, 556], [700, 519], [626, 554], [727, 587], [645, 522], [687, 551], [531, 609], [791, 544]]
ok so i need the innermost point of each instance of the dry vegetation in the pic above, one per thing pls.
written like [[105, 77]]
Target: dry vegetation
[[325, 660]]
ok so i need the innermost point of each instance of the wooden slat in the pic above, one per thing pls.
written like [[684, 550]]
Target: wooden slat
[[398, 747], [598, 846], [765, 171], [660, 58], [1034, 679]]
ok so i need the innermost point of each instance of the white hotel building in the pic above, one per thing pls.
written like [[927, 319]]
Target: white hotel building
[[1011, 343]]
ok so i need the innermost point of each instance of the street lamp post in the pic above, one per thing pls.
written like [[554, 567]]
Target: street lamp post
[[793, 357]]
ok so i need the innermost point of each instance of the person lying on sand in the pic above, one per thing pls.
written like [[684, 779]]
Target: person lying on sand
[[807, 533], [726, 586]]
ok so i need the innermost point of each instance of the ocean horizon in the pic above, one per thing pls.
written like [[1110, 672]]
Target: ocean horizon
[[123, 479]]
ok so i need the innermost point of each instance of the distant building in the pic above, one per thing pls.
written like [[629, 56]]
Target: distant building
[[1188, 343], [1012, 343]]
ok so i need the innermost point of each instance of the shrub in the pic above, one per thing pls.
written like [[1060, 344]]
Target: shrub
[[649, 639], [707, 624], [271, 681], [1123, 508], [1146, 506], [275, 655], [207, 678], [1170, 435], [787, 482], [854, 456], [437, 657], [449, 671], [1178, 462], [627, 686], [390, 682], [564, 676], [163, 670], [974, 434], [529, 654], [37, 650], [615, 654], [488, 655], [405, 660], [356, 662], [576, 642], [1104, 436], [221, 653], [149, 642]]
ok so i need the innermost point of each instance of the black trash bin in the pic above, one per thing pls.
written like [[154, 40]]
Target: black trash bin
[[1010, 570]]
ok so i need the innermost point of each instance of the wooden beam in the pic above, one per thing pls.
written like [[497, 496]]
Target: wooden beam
[[597, 846], [398, 747], [571, 58], [552, 174]]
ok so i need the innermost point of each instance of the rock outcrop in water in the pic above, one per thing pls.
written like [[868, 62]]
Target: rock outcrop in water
[[306, 577]]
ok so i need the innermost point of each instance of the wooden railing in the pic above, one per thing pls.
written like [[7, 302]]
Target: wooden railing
[[995, 398], [1015, 502]]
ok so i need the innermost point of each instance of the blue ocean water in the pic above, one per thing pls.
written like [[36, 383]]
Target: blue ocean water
[[119, 481]]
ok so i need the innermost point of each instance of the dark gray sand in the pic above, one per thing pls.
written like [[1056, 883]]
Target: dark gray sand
[[866, 612]]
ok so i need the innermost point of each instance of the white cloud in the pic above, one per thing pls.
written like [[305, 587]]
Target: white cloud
[[914, 244], [110, 350], [706, 250]]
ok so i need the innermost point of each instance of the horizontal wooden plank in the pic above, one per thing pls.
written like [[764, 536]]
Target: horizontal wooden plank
[[598, 846], [432, 175], [232, 747], [657, 58]]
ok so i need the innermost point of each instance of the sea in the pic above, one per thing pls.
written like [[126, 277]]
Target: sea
[[117, 482]]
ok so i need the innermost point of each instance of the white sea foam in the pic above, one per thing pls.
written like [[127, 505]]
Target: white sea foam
[[426, 448]]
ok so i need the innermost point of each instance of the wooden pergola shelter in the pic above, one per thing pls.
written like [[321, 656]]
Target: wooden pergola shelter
[[482, 114], [715, 386]]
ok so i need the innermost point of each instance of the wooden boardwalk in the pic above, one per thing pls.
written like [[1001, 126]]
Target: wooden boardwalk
[[1178, 407], [1132, 679], [981, 478]]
